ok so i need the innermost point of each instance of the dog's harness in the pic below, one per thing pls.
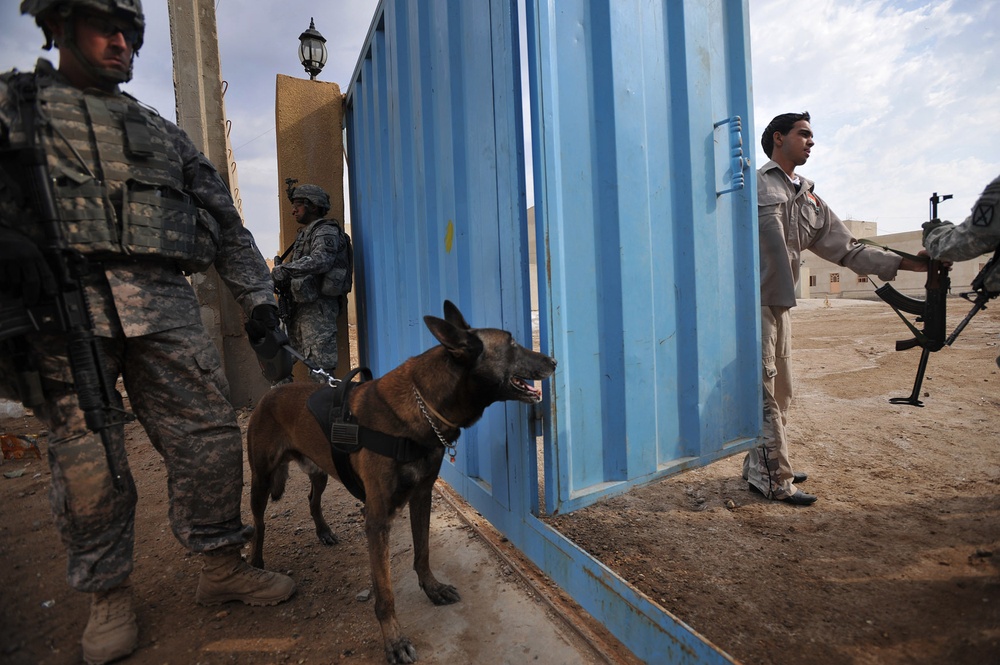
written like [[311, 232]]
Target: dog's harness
[[329, 406]]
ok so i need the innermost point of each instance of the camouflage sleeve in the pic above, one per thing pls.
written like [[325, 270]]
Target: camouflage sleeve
[[324, 245], [239, 262], [977, 235], [8, 207]]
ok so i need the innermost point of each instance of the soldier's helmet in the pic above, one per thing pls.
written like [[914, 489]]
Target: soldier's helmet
[[129, 10], [315, 195]]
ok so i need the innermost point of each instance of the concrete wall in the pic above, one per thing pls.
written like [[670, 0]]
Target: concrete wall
[[201, 113], [309, 118]]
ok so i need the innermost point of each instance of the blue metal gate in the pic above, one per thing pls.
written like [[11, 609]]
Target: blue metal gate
[[653, 305], [646, 237]]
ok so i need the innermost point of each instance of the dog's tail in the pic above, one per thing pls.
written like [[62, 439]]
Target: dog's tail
[[278, 480]]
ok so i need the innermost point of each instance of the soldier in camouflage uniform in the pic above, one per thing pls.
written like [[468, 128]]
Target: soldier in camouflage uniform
[[315, 276], [143, 205], [977, 235]]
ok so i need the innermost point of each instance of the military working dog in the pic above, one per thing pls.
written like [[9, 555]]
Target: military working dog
[[426, 400]]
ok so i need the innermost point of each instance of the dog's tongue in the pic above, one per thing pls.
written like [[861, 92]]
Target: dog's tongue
[[536, 393], [533, 392]]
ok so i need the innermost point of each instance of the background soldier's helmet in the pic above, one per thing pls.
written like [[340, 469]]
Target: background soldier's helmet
[[129, 10], [315, 195]]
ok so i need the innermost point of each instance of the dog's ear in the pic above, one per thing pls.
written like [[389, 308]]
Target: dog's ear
[[453, 316], [461, 344]]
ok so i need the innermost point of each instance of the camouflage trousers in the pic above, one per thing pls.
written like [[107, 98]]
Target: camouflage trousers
[[178, 392], [767, 466], [313, 331]]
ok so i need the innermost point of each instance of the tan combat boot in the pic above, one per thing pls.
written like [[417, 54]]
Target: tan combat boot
[[111, 632], [225, 576]]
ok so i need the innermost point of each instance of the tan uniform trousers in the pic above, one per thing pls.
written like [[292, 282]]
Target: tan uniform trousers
[[767, 466]]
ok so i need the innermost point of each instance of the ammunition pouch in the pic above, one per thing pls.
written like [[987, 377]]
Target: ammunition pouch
[[137, 209], [304, 289]]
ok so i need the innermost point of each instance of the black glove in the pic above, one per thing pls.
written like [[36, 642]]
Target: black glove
[[23, 270], [263, 320], [268, 341]]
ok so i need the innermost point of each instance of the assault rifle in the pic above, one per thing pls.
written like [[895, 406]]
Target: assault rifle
[[931, 311], [66, 311], [284, 293]]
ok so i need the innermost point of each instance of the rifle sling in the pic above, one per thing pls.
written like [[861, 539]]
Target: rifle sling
[[912, 257], [917, 333]]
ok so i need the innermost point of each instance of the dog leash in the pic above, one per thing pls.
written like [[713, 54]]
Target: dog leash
[[450, 448], [314, 369]]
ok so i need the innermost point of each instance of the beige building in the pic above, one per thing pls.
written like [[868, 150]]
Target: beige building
[[821, 279]]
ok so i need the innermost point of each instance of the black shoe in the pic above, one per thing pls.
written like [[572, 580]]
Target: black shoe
[[800, 498], [800, 477]]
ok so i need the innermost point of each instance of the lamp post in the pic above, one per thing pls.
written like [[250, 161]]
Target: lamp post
[[312, 50]]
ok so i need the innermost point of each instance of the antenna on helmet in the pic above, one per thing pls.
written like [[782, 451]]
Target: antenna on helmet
[[290, 187]]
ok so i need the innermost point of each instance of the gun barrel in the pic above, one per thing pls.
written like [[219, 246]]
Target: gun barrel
[[979, 304]]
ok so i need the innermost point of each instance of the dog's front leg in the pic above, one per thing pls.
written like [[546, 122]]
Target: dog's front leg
[[317, 483], [420, 524], [398, 648]]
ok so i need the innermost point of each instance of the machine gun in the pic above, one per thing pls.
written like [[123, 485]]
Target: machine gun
[[932, 310], [66, 311]]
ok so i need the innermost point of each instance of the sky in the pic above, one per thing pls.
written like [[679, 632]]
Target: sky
[[904, 95]]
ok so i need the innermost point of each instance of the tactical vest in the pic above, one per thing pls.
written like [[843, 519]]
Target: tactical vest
[[337, 281], [118, 180]]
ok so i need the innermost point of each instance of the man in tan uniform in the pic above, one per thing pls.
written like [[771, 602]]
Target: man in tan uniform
[[137, 206], [792, 219]]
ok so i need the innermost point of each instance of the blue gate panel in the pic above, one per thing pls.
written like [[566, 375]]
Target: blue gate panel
[[437, 195], [652, 308]]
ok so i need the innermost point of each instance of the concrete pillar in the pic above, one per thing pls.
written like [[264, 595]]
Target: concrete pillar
[[309, 117], [199, 90]]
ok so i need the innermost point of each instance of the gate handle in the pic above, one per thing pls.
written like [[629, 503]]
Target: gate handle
[[737, 163]]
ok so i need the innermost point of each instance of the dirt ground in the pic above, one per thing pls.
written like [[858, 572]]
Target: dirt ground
[[898, 561]]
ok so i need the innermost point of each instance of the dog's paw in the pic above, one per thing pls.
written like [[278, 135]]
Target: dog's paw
[[327, 537], [401, 652], [443, 594]]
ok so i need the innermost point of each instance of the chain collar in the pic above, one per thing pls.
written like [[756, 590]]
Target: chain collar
[[426, 409]]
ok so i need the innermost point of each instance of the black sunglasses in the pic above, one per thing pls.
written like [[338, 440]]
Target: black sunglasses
[[105, 27]]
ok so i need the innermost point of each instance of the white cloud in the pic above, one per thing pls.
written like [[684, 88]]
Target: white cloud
[[903, 97]]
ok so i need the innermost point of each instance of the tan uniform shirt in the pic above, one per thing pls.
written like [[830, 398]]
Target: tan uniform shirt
[[792, 221]]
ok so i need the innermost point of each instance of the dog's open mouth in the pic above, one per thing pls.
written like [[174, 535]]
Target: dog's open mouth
[[528, 392]]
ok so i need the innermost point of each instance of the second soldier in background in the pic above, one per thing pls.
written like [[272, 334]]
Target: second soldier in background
[[316, 276]]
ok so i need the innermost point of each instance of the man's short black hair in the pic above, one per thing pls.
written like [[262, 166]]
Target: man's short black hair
[[782, 123]]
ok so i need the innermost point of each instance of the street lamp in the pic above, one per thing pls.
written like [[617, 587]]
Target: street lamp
[[312, 50]]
